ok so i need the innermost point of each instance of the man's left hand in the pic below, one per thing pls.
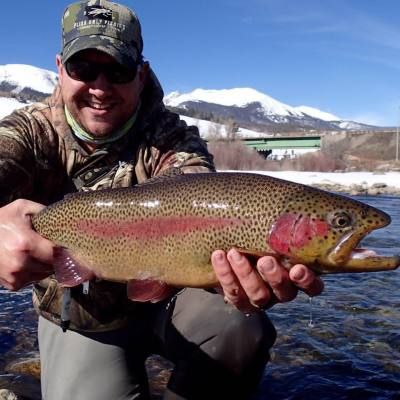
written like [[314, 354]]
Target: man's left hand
[[251, 288]]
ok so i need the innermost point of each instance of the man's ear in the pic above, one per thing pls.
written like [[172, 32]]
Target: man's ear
[[144, 72], [59, 64]]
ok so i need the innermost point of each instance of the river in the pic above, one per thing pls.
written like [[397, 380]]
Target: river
[[351, 348], [344, 344]]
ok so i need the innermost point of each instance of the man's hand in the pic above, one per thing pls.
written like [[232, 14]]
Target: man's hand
[[250, 289], [25, 256]]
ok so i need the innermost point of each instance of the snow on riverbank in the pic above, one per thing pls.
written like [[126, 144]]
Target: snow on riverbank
[[353, 182]]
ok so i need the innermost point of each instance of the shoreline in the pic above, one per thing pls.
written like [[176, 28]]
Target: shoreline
[[352, 183]]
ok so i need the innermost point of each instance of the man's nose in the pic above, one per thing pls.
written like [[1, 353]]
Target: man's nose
[[100, 85]]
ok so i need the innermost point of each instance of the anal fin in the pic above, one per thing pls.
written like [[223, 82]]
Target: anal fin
[[148, 290]]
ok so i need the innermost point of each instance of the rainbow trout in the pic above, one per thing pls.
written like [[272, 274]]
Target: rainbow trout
[[166, 230]]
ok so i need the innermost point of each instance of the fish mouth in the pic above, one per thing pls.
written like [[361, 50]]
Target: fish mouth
[[347, 257]]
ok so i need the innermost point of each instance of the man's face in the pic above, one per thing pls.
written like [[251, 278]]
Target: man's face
[[100, 107]]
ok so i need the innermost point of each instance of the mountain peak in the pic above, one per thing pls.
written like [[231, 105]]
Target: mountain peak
[[239, 97], [255, 110], [236, 97], [315, 113], [21, 76]]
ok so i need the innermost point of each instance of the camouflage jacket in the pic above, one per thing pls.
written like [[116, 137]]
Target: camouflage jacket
[[41, 160]]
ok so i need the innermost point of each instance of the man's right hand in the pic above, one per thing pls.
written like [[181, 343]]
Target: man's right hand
[[25, 256]]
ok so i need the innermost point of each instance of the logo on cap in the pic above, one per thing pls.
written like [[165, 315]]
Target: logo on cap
[[98, 12]]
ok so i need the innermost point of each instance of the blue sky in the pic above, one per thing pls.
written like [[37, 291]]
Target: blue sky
[[341, 56]]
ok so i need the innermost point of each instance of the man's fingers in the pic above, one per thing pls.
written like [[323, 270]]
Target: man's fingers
[[24, 241], [27, 207], [42, 250], [231, 288], [250, 280], [277, 277], [20, 280], [249, 288], [306, 280], [26, 256]]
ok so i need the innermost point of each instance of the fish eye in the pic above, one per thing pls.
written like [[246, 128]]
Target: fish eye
[[340, 220]]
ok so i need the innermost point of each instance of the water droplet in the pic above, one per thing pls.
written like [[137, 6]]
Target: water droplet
[[310, 321]]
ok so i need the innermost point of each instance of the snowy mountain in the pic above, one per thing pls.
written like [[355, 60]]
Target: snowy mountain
[[254, 110], [315, 113], [22, 84], [243, 97], [19, 77]]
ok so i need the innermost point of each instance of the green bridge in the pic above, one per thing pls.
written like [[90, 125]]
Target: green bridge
[[265, 146]]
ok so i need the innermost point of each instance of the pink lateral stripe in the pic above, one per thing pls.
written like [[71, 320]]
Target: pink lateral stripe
[[154, 228]]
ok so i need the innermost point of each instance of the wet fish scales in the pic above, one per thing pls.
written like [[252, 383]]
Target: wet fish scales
[[167, 231]]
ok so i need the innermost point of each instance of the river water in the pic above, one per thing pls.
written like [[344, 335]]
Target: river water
[[351, 348], [344, 344]]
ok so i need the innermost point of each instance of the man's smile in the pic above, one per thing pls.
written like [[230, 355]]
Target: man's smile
[[100, 106]]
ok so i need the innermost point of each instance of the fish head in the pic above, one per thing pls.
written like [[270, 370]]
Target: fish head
[[322, 230]]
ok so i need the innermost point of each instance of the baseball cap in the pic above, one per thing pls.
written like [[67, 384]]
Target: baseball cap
[[105, 26]]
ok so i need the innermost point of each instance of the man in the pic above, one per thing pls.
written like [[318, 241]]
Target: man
[[105, 126]]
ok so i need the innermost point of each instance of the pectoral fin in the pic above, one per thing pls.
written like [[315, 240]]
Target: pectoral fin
[[69, 272]]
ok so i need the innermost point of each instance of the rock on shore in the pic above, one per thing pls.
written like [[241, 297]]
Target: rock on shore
[[361, 189], [23, 379]]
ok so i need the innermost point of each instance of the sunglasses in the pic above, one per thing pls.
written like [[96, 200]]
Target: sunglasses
[[88, 71]]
